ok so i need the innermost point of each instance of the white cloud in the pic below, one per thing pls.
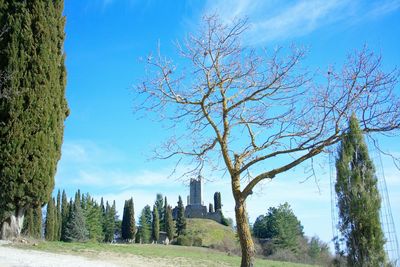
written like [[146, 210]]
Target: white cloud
[[278, 20]]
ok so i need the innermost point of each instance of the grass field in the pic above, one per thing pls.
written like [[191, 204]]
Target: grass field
[[176, 255]]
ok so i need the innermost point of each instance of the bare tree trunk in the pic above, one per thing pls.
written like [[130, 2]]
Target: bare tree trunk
[[243, 228], [12, 226]]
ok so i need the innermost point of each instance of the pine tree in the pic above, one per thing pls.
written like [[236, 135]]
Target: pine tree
[[169, 224], [50, 221], [160, 206], [93, 218], [180, 220], [155, 226], [145, 225], [64, 214], [33, 113], [217, 201], [109, 222], [359, 201], [76, 226]]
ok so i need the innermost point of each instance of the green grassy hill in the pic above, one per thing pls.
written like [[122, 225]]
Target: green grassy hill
[[212, 234]]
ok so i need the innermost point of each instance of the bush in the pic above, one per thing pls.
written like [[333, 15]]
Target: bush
[[184, 240]]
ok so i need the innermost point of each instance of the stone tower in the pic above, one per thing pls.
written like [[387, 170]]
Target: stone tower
[[196, 191]]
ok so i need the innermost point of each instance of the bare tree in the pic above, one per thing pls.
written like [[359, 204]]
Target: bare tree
[[248, 108]]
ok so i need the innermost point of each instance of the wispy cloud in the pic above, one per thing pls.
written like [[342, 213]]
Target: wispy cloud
[[277, 20]]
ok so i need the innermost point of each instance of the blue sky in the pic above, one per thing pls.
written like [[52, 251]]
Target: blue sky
[[107, 146]]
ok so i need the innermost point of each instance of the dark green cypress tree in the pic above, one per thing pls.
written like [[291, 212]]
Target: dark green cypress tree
[[180, 220], [37, 223], [160, 206], [50, 221], [210, 207], [124, 224], [217, 201], [58, 217], [64, 214], [33, 113], [359, 201], [132, 223], [155, 226], [164, 217], [27, 229], [33, 223], [170, 227]]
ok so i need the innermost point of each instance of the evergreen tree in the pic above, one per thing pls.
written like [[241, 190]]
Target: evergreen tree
[[217, 201], [155, 226], [128, 225], [210, 208], [109, 225], [76, 226], [145, 225], [93, 218], [58, 217], [124, 224], [160, 206], [164, 217], [359, 201], [50, 221], [169, 224], [281, 226], [132, 223], [27, 229], [64, 214], [32, 114], [180, 220], [33, 223]]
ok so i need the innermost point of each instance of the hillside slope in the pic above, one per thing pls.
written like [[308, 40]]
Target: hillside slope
[[212, 234]]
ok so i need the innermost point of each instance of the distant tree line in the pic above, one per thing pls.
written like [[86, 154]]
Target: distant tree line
[[281, 237], [83, 219]]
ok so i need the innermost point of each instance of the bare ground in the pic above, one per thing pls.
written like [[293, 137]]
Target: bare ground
[[13, 257]]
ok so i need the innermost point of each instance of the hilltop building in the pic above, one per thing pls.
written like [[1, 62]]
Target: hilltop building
[[195, 207]]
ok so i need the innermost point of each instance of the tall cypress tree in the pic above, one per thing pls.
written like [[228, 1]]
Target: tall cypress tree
[[33, 113], [169, 225], [359, 201], [132, 223], [217, 201], [58, 217], [64, 214], [180, 220], [33, 223], [124, 223], [160, 206], [155, 226], [164, 217], [50, 221]]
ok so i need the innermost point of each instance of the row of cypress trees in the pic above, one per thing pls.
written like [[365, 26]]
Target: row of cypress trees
[[75, 220], [84, 219], [151, 222]]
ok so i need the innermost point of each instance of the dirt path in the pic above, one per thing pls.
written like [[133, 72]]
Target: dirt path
[[13, 257]]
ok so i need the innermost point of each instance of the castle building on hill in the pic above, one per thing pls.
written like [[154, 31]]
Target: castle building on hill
[[195, 207]]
